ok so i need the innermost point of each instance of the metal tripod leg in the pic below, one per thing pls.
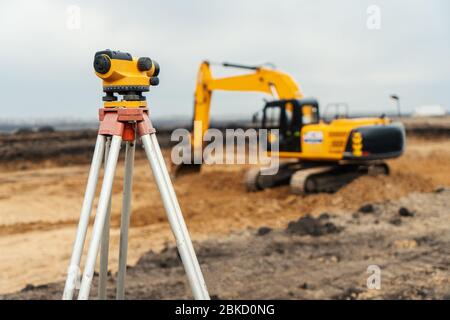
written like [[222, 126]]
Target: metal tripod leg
[[100, 218], [125, 219], [73, 271], [104, 248], [171, 205], [178, 210]]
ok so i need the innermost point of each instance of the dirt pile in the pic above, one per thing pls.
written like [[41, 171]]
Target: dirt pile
[[312, 226]]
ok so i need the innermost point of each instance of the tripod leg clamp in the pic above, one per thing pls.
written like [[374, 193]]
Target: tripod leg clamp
[[109, 124], [145, 126], [113, 121]]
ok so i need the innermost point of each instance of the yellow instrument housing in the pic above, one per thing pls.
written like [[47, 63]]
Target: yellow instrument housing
[[125, 104], [125, 75]]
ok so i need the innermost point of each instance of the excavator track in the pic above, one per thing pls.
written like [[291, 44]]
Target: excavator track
[[251, 180], [315, 179], [303, 181], [331, 179], [256, 179]]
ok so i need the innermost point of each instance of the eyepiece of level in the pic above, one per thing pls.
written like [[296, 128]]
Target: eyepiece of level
[[102, 63]]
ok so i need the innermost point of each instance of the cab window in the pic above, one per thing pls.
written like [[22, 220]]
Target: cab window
[[310, 114]]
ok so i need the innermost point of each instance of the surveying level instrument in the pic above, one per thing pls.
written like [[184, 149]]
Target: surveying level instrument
[[126, 76], [125, 120]]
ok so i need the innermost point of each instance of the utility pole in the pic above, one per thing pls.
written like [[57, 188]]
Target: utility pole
[[397, 99]]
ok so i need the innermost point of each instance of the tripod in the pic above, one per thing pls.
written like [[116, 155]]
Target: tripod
[[117, 125]]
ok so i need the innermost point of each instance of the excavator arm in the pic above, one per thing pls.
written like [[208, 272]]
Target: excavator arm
[[278, 84], [273, 82]]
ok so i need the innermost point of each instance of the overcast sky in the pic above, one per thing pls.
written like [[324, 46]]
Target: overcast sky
[[46, 60]]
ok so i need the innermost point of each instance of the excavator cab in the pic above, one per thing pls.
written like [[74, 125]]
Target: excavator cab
[[288, 117]]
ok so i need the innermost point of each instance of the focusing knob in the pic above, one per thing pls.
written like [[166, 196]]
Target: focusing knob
[[156, 73], [144, 64], [102, 64], [154, 81]]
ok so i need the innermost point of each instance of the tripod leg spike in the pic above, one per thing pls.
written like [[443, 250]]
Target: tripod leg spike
[[188, 258], [73, 271], [100, 217]]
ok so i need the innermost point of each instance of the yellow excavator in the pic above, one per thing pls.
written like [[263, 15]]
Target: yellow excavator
[[317, 156]]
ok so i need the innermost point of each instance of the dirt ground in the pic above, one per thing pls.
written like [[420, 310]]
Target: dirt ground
[[328, 257], [40, 209]]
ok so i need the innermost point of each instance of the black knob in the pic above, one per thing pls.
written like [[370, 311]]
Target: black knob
[[154, 81], [144, 64], [156, 73], [102, 63]]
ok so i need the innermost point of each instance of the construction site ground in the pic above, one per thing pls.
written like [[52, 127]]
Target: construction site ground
[[250, 245]]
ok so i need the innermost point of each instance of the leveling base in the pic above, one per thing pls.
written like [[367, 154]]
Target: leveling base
[[117, 125]]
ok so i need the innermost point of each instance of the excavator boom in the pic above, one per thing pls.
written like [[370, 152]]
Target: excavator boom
[[278, 84]]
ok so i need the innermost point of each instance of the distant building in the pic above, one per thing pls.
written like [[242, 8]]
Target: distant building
[[434, 110]]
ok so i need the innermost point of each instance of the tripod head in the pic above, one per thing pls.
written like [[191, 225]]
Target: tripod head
[[125, 75]]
